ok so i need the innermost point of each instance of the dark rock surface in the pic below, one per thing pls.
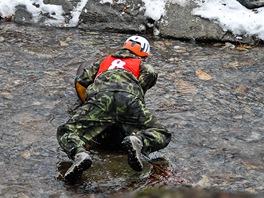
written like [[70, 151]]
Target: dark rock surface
[[129, 17], [252, 4]]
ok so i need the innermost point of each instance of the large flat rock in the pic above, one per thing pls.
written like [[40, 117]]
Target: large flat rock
[[178, 21]]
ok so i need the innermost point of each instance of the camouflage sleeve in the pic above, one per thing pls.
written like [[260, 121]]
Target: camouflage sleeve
[[88, 74], [148, 76]]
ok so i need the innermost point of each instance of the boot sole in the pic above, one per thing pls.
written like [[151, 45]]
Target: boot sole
[[133, 158], [77, 171]]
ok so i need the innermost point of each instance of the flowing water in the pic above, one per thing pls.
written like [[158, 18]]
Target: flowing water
[[209, 96]]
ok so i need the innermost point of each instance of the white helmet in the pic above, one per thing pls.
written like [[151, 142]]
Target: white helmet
[[138, 45]]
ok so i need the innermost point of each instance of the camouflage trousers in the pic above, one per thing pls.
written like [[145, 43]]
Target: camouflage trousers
[[117, 111]]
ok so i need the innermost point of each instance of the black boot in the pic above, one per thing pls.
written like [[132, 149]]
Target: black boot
[[134, 145]]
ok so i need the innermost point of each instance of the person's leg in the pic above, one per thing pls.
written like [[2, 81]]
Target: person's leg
[[144, 132], [80, 130], [140, 122], [90, 120], [151, 137]]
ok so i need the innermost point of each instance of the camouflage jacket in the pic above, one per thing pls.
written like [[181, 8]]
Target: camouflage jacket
[[118, 79]]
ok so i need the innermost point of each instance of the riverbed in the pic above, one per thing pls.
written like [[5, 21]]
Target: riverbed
[[209, 96]]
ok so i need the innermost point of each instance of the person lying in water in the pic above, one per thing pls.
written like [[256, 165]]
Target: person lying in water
[[112, 91]]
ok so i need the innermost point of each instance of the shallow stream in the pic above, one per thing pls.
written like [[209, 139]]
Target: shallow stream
[[210, 96]]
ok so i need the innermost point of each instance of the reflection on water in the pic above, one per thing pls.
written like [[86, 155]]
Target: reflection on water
[[210, 98]]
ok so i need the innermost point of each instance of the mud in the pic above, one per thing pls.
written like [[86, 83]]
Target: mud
[[209, 96]]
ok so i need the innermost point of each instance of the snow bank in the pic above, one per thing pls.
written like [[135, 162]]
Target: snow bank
[[234, 17], [230, 14]]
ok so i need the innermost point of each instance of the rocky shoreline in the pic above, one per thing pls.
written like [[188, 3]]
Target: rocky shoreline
[[179, 22]]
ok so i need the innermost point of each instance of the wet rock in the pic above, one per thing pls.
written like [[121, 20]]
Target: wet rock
[[202, 75], [7, 95], [186, 87], [251, 4], [26, 154], [129, 17], [180, 23], [113, 17], [22, 16]]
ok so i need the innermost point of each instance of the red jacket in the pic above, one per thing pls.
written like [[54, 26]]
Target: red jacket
[[129, 64]]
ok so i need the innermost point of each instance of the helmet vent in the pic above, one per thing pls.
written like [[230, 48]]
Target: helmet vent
[[138, 45]]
